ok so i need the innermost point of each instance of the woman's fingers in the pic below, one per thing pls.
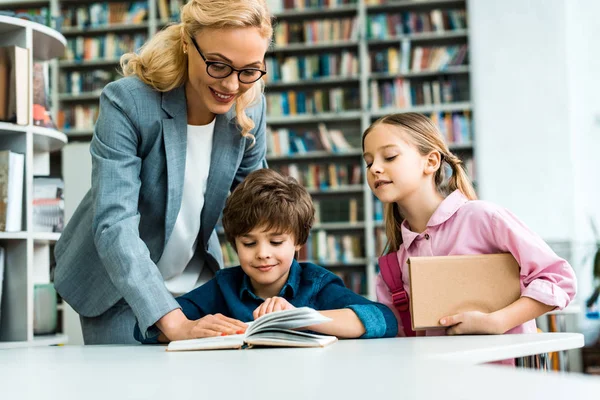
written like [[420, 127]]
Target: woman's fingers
[[221, 324], [236, 323]]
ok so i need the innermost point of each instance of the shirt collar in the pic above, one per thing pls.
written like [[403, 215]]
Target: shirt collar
[[447, 208], [288, 290]]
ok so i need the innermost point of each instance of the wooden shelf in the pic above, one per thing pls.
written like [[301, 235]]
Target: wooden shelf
[[336, 190], [453, 70], [314, 118], [330, 80], [339, 226], [449, 107], [85, 96], [391, 6], [79, 132], [125, 27], [307, 47], [421, 37], [324, 12], [314, 155], [112, 62]]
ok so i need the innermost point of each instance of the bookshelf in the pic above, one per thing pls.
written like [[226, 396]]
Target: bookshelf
[[28, 252], [385, 40], [346, 47]]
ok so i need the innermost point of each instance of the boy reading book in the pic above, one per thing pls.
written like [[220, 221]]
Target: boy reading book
[[267, 219], [274, 329]]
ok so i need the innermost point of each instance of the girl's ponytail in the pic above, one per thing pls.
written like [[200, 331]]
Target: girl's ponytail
[[393, 219], [459, 179]]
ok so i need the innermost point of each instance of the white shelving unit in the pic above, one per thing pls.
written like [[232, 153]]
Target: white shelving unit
[[28, 252]]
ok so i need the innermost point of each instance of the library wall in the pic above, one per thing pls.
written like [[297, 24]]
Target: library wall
[[523, 142], [583, 32]]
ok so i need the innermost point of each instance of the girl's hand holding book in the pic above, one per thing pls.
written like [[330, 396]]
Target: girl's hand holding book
[[270, 305], [472, 322]]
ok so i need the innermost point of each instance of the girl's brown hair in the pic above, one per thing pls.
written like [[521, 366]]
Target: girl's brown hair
[[426, 137]]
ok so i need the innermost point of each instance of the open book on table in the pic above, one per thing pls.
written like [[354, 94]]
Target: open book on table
[[275, 329]]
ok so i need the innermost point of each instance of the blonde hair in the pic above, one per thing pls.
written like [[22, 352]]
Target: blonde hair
[[426, 137], [162, 64]]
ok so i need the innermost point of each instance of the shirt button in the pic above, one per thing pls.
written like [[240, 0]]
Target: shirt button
[[427, 236]]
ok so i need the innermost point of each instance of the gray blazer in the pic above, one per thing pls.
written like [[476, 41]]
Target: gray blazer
[[110, 247]]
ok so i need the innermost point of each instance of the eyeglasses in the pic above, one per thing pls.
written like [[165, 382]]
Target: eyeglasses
[[220, 70]]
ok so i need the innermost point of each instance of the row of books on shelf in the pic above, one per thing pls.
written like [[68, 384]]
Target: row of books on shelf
[[99, 14], [432, 58], [402, 93], [294, 102], [390, 25], [41, 14], [48, 202], [14, 85], [316, 31], [456, 128], [329, 248], [78, 117], [15, 88], [109, 46], [12, 176], [284, 141], [169, 10], [323, 176], [348, 211], [295, 69], [277, 6], [77, 82]]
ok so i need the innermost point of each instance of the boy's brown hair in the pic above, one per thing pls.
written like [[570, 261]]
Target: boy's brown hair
[[270, 200]]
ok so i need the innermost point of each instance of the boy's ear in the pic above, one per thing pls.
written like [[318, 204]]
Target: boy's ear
[[433, 162], [296, 251]]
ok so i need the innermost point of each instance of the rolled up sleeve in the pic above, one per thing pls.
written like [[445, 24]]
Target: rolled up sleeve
[[545, 276], [377, 319]]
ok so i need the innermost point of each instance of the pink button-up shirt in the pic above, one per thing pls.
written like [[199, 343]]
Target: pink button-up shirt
[[460, 226]]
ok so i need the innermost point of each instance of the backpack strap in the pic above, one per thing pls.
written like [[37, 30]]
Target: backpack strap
[[392, 276]]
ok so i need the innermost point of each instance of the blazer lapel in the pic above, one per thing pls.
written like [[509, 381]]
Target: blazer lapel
[[175, 140], [226, 148]]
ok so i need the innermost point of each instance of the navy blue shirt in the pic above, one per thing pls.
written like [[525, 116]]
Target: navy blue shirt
[[230, 293]]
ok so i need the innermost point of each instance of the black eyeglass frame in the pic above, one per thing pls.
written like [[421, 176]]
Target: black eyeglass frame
[[239, 71]]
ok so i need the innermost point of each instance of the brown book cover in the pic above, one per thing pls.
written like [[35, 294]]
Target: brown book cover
[[443, 286], [17, 101]]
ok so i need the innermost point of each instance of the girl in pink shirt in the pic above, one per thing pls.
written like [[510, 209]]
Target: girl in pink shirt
[[427, 214]]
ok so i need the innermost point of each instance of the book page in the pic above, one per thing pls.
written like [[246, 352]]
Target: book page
[[285, 338], [208, 343], [288, 319]]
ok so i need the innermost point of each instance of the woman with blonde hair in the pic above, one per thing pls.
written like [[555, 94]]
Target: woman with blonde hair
[[183, 127]]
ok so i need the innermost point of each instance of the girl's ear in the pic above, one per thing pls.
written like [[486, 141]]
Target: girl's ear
[[433, 162]]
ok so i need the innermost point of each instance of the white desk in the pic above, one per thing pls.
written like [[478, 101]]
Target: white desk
[[415, 368]]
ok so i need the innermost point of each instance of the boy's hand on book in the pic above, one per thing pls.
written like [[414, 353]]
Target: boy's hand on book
[[471, 322], [270, 305]]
